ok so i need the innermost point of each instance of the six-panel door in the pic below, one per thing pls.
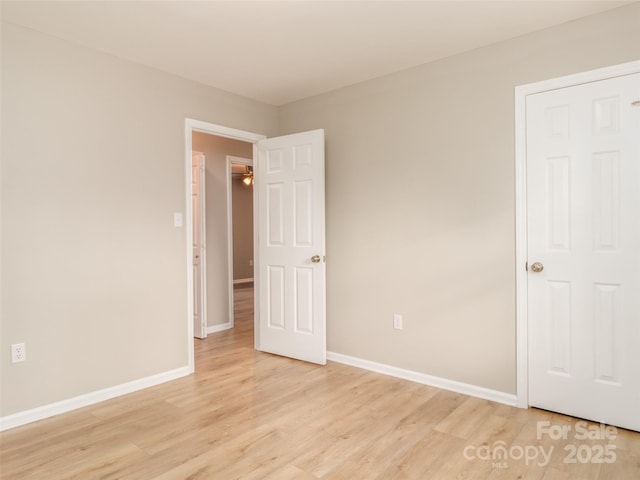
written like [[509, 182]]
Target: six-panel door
[[291, 239], [583, 189]]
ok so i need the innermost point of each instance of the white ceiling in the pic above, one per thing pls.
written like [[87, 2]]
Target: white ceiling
[[281, 51]]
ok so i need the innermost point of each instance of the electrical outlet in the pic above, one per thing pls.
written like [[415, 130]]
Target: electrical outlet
[[251, 263], [397, 321], [18, 352]]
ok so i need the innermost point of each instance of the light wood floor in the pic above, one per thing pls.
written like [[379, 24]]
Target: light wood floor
[[250, 415]]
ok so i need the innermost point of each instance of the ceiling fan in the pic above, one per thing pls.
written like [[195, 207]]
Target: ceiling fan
[[243, 172]]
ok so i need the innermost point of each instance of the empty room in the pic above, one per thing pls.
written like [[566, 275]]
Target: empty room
[[320, 240]]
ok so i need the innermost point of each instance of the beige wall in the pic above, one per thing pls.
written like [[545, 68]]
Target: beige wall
[[93, 270], [216, 150], [242, 230], [420, 207], [420, 199]]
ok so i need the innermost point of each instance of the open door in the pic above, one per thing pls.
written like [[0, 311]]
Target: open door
[[291, 246], [197, 205]]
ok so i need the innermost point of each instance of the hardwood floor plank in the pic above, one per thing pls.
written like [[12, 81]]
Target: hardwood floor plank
[[290, 472], [467, 418], [425, 458]]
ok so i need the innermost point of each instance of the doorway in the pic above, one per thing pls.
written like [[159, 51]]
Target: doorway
[[215, 146], [290, 320]]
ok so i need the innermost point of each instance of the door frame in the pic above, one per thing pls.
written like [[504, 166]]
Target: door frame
[[191, 125], [238, 161], [521, 93]]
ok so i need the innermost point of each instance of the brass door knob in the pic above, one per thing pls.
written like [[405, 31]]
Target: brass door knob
[[315, 259]]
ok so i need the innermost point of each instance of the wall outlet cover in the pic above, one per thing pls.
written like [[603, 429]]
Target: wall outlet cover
[[18, 352]]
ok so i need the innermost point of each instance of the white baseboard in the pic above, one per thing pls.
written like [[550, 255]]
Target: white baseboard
[[219, 328], [39, 413], [423, 378], [243, 280]]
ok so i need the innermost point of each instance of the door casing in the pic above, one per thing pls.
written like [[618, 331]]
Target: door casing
[[521, 92], [192, 125]]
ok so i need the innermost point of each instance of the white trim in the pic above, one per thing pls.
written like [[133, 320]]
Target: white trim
[[239, 160], [190, 126], [242, 280], [229, 183], [521, 93], [423, 378], [522, 379], [222, 131], [256, 254], [219, 328], [230, 300], [39, 413]]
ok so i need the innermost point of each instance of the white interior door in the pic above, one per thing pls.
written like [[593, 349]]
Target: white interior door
[[291, 246], [197, 205], [583, 202]]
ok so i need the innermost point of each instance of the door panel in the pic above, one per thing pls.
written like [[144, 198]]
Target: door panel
[[197, 201], [290, 189], [583, 200]]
